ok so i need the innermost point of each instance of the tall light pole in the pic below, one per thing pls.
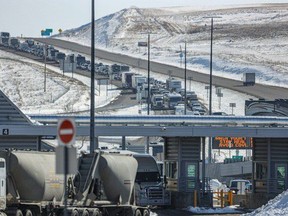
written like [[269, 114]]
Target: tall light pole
[[210, 87], [210, 81], [211, 64], [45, 61], [148, 68], [92, 104], [185, 79]]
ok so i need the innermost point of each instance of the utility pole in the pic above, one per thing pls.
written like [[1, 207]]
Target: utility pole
[[45, 69], [210, 87], [148, 98], [92, 105], [185, 79]]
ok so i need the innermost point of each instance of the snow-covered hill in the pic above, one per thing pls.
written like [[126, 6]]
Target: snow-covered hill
[[245, 38]]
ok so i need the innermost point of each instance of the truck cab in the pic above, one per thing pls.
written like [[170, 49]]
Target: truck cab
[[172, 99], [149, 186], [157, 101]]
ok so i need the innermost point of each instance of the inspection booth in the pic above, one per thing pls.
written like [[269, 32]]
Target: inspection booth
[[181, 167], [269, 171]]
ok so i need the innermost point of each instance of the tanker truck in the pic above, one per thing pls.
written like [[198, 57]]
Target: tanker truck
[[103, 185]]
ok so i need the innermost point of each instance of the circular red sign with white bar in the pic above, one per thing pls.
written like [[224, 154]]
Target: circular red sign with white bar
[[66, 131]]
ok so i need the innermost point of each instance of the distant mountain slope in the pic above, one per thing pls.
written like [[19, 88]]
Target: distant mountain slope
[[246, 38], [263, 21]]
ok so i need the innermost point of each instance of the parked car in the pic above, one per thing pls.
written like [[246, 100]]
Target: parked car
[[238, 185]]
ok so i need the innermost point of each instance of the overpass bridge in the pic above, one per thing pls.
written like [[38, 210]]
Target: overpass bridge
[[161, 125]]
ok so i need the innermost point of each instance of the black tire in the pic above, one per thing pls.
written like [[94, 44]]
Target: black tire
[[146, 212], [138, 212], [75, 212], [96, 212], [19, 212], [85, 213], [29, 213]]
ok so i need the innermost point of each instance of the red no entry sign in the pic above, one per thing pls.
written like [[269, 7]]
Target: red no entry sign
[[66, 131]]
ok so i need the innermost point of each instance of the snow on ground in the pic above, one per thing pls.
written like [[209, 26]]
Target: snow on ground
[[23, 81], [276, 207], [202, 210]]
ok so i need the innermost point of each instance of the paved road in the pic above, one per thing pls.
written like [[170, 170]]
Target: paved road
[[126, 99], [259, 90]]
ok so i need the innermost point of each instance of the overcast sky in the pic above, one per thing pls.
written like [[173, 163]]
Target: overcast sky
[[29, 17]]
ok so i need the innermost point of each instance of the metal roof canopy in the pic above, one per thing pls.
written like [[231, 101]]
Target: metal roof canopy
[[10, 113], [138, 130]]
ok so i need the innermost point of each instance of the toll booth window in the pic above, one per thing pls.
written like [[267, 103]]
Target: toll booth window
[[2, 164], [148, 177], [191, 170], [281, 173], [171, 170], [190, 184], [261, 171]]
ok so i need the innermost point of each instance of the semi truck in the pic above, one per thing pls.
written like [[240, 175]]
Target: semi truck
[[249, 79], [138, 81], [149, 186], [4, 38], [103, 185], [14, 43], [173, 84], [171, 100], [157, 101], [127, 79]]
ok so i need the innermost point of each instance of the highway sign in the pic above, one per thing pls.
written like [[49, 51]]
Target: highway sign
[[66, 131], [70, 160], [142, 44]]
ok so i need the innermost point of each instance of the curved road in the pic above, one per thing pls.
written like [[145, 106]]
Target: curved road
[[258, 90]]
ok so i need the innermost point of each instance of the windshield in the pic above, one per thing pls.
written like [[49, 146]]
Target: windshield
[[175, 99], [234, 183], [148, 177]]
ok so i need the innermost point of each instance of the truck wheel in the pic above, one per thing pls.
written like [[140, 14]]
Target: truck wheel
[[28, 213], [75, 212], [19, 212], [85, 213], [138, 212], [146, 212], [96, 212]]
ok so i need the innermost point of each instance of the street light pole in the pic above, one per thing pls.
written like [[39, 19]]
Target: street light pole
[[45, 61], [92, 104], [210, 82], [210, 93], [148, 98], [185, 80]]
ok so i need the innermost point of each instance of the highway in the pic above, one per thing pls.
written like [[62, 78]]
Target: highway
[[258, 90]]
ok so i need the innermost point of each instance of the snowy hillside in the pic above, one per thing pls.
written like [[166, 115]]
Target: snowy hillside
[[246, 38], [22, 80]]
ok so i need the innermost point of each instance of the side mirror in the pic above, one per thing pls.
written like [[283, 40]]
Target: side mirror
[[165, 180]]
